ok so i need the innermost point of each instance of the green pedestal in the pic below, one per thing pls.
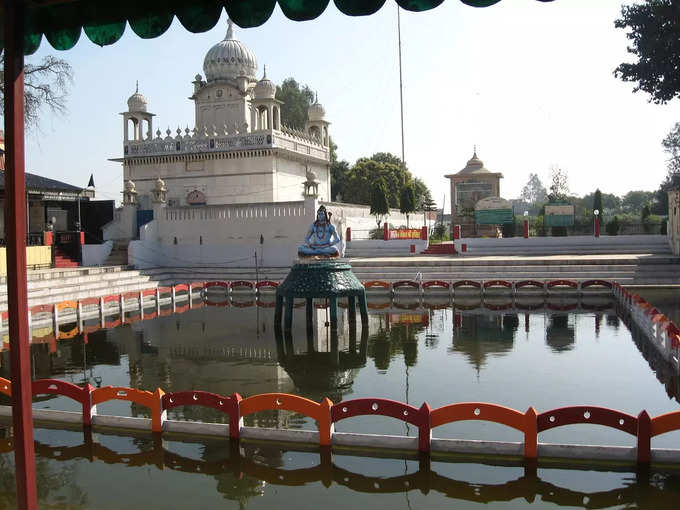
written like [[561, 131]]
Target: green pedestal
[[330, 279]]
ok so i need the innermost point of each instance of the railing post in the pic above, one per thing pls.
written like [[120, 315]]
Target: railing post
[[102, 315], [348, 235], [141, 304]]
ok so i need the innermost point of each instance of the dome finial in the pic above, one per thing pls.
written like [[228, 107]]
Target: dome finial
[[137, 87], [265, 72], [316, 97], [474, 151], [230, 30]]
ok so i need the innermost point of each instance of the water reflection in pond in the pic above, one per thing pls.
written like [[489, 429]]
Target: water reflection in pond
[[75, 470], [519, 353]]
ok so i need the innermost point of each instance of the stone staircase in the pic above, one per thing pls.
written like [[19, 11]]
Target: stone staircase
[[55, 285], [627, 270], [118, 255]]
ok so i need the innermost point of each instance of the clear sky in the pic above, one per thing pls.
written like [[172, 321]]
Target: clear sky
[[529, 83]]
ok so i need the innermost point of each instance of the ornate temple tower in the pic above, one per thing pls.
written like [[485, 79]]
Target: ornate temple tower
[[238, 151]]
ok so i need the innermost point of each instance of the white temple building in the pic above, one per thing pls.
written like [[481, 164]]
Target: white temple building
[[238, 150], [238, 183]]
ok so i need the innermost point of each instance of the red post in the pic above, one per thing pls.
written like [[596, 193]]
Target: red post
[[48, 238], [456, 232], [413, 248], [597, 226], [82, 238], [348, 235], [386, 233], [526, 229], [423, 233], [15, 227]]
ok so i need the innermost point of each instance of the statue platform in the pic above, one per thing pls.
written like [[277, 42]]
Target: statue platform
[[329, 278]]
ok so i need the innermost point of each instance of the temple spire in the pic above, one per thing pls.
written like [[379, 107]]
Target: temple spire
[[230, 29]]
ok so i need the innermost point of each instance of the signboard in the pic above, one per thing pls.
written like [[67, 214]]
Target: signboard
[[493, 216], [493, 211], [559, 216], [404, 233], [54, 196]]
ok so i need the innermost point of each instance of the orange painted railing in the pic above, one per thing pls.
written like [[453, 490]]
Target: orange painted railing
[[268, 401], [524, 422], [326, 413]]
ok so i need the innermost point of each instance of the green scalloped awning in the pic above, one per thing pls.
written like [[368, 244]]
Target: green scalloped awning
[[62, 21]]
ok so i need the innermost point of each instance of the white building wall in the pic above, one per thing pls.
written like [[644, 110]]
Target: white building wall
[[220, 236]]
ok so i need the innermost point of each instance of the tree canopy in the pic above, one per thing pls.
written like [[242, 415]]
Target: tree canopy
[[407, 201], [379, 201], [653, 29], [296, 101], [45, 85], [671, 146], [559, 187], [534, 192]]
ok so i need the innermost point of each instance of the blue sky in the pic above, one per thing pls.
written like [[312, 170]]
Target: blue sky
[[529, 83]]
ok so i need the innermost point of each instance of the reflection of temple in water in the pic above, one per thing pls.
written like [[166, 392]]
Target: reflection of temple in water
[[479, 336], [560, 333]]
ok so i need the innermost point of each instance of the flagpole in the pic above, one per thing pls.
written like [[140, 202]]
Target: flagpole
[[401, 88]]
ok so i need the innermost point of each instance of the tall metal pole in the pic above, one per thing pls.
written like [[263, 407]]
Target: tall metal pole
[[15, 226], [401, 89]]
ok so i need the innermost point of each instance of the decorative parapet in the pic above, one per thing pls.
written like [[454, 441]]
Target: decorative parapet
[[238, 211], [205, 142]]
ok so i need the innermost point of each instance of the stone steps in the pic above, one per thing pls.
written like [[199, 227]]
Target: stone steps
[[56, 286]]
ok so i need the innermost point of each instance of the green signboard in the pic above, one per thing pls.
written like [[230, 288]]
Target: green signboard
[[493, 216], [559, 220]]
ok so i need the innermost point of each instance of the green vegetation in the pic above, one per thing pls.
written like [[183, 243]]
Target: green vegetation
[[379, 201]]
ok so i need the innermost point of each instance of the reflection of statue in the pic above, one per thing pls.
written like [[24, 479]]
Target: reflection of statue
[[321, 237]]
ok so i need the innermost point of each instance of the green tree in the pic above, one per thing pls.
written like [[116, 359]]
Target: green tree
[[367, 171], [379, 204], [296, 101], [46, 84], [559, 187], [597, 201], [533, 192], [633, 201], [653, 29], [407, 201], [671, 146], [423, 195]]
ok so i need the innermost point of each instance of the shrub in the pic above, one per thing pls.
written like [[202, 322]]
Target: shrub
[[612, 227], [377, 234]]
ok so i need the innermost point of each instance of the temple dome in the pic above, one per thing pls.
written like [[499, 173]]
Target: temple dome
[[316, 111], [229, 59], [265, 88], [137, 102], [474, 166]]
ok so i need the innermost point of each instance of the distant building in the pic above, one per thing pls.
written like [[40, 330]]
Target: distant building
[[469, 186]]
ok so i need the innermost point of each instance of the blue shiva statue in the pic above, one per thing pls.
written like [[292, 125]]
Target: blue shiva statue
[[321, 237]]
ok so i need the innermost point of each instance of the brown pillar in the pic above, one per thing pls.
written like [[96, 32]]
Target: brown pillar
[[15, 227]]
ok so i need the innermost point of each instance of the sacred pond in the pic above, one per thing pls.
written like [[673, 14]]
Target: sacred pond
[[557, 352]]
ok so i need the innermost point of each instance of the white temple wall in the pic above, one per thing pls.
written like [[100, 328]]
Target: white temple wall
[[290, 176], [225, 235], [359, 218]]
